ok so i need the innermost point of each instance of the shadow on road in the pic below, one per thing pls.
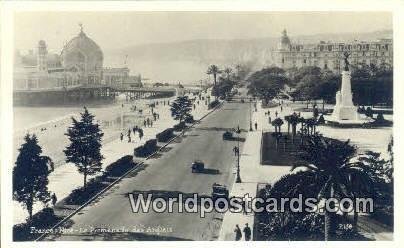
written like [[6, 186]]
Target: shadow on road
[[209, 171], [166, 194]]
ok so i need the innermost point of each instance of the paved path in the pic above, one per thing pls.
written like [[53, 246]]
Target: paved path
[[66, 178]]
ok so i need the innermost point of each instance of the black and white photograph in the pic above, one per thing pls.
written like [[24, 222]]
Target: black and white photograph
[[199, 125]]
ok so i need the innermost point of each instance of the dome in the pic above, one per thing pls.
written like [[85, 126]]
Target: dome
[[285, 39], [284, 43], [42, 43], [83, 53]]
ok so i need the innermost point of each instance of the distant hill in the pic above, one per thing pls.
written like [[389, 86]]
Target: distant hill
[[187, 61]]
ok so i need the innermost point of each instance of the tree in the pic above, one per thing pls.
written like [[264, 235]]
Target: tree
[[329, 160], [293, 120], [213, 70], [267, 83], [228, 72], [181, 108], [277, 123], [223, 88], [85, 145], [30, 174]]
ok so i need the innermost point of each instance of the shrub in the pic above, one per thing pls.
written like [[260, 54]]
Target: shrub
[[44, 219], [165, 135], [147, 149], [189, 119], [213, 104], [81, 195], [179, 127], [321, 120], [120, 166]]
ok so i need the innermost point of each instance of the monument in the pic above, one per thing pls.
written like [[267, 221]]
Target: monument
[[344, 109]]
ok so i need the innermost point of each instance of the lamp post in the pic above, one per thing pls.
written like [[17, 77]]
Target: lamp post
[[238, 178], [250, 116]]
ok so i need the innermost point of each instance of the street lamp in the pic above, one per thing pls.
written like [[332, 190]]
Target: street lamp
[[238, 178], [250, 116]]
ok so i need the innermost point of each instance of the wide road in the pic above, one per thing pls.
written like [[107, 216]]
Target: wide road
[[167, 175]]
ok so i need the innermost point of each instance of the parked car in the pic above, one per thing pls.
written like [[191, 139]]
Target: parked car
[[219, 191], [197, 166]]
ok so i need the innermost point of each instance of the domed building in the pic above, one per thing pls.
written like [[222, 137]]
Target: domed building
[[82, 55], [76, 73]]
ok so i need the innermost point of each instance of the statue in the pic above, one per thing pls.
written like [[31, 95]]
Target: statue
[[346, 55]]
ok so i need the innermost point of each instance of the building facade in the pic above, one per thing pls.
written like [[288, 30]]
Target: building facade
[[80, 63], [329, 55]]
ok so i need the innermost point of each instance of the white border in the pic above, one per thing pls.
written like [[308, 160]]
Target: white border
[[6, 28]]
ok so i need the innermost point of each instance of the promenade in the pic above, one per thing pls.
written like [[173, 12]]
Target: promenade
[[66, 178]]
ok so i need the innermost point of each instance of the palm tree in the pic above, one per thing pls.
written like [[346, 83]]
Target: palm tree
[[330, 159], [228, 72], [311, 124], [213, 70], [277, 123], [292, 120]]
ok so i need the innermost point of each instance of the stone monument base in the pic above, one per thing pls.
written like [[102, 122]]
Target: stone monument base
[[350, 123], [343, 113]]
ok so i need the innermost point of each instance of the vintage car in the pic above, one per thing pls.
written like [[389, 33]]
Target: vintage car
[[227, 135], [219, 191], [197, 166]]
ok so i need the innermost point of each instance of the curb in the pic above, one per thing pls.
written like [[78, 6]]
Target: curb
[[40, 238]]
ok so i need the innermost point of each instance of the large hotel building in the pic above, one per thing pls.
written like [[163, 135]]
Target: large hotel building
[[329, 55]]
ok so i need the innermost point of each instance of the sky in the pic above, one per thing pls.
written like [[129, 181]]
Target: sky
[[113, 30]]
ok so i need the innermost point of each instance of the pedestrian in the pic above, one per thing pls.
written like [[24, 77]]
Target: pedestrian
[[237, 230], [276, 113], [134, 131], [121, 137], [281, 108], [247, 232], [235, 150], [144, 123], [140, 134], [256, 126], [54, 199], [194, 106], [129, 138]]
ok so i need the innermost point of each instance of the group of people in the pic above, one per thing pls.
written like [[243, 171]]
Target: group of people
[[246, 231], [134, 130], [147, 122]]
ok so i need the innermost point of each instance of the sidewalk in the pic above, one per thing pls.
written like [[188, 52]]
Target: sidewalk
[[252, 173]]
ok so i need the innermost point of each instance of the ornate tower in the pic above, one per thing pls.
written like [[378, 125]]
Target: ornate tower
[[284, 41], [42, 62]]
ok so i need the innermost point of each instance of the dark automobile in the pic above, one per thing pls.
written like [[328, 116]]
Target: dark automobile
[[227, 135], [219, 191], [197, 166]]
